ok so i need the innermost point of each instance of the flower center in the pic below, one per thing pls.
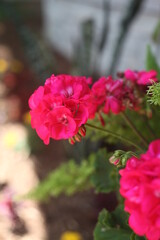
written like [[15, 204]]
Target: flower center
[[64, 120], [68, 92]]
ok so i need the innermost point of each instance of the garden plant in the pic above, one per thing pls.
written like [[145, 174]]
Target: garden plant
[[122, 112]]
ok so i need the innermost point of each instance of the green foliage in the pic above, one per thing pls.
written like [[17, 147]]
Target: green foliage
[[122, 157], [112, 123], [151, 62], [147, 125], [69, 178], [120, 217], [139, 238], [105, 175], [82, 58], [154, 121], [156, 33], [154, 90], [116, 123], [112, 225], [154, 94], [136, 237]]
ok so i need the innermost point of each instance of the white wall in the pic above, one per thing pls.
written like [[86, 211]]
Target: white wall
[[62, 19]]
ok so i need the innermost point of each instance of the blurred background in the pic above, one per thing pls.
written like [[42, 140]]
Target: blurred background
[[38, 38]]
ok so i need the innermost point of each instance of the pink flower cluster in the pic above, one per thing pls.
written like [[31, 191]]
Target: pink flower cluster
[[114, 95], [60, 107], [141, 77], [140, 186]]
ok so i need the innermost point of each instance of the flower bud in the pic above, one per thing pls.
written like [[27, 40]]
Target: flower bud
[[120, 158], [77, 137], [71, 141], [113, 160], [118, 153], [82, 131]]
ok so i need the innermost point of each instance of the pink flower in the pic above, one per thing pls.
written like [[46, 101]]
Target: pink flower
[[141, 77], [113, 96], [146, 78], [62, 123], [112, 104], [60, 107], [107, 95], [131, 75], [73, 87], [153, 150], [140, 186], [36, 98]]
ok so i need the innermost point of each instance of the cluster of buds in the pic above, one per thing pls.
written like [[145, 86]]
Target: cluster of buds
[[78, 137], [120, 157]]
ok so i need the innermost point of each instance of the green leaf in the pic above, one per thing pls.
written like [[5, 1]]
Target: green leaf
[[154, 94], [69, 178], [83, 50], [105, 219], [105, 175], [139, 238], [108, 228], [120, 217], [151, 62], [136, 237], [111, 234], [156, 33]]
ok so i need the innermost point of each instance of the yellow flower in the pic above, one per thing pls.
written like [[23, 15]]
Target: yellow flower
[[27, 118], [68, 235], [3, 65]]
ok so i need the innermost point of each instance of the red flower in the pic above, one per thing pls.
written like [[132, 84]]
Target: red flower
[[140, 186], [141, 77], [61, 107], [113, 95]]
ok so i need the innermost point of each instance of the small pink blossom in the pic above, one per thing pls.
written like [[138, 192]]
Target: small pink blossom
[[140, 186], [131, 75], [113, 95], [146, 78], [153, 150], [141, 77], [112, 104]]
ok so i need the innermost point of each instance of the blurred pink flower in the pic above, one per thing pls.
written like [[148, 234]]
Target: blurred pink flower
[[140, 186], [113, 95], [8, 207], [141, 77]]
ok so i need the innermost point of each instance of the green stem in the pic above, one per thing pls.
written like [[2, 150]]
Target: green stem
[[114, 135], [133, 236], [149, 128], [133, 127]]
